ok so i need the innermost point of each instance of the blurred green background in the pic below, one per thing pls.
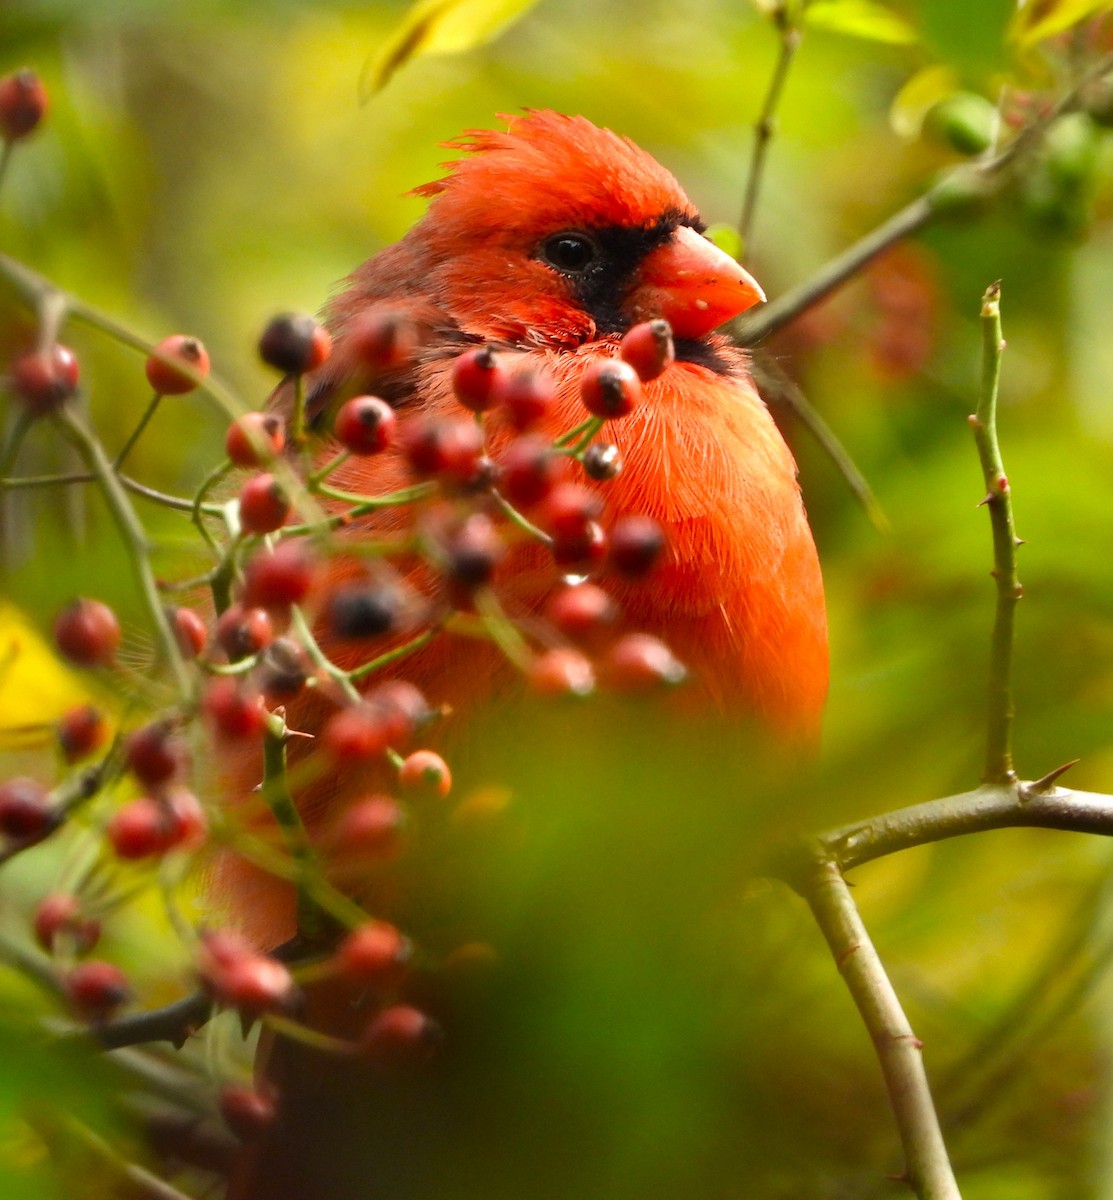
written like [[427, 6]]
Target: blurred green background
[[207, 164]]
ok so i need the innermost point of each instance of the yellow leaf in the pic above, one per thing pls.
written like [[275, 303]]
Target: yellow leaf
[[438, 27], [918, 97], [1037, 20], [861, 19]]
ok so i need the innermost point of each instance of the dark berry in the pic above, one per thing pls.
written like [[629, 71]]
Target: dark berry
[[648, 348], [610, 388], [23, 104], [636, 545], [44, 380], [569, 509], [580, 553], [87, 633], [475, 375], [602, 461], [170, 380], [449, 449], [255, 439], [264, 504], [293, 343], [365, 425], [404, 708], [97, 989], [155, 753], [243, 632], [81, 730], [25, 809], [364, 610], [282, 671], [472, 551], [425, 774]]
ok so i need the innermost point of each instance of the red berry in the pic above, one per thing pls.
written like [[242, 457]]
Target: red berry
[[87, 633], [264, 505], [23, 104], [569, 509], [475, 376], [368, 830], [236, 712], [25, 809], [97, 989], [169, 379], [375, 954], [280, 577], [638, 662], [189, 631], [580, 553], [59, 916], [45, 380], [237, 976], [425, 773], [649, 348], [143, 828], [188, 822], [561, 672], [365, 425], [358, 733], [155, 753], [636, 545], [401, 1036], [529, 470], [602, 461], [610, 388], [294, 343], [382, 340], [527, 395], [254, 439], [247, 1113], [243, 632], [449, 448], [404, 709], [81, 730], [582, 611], [282, 671]]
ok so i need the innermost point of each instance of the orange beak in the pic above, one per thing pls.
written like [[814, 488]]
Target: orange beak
[[693, 284]]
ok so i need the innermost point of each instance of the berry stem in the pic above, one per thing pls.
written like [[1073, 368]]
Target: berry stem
[[23, 422], [523, 523], [365, 504], [199, 507], [5, 159], [392, 656], [134, 539], [318, 477], [137, 432], [566, 439], [500, 629], [300, 626]]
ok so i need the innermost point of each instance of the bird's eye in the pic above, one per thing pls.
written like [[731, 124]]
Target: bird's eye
[[572, 253]]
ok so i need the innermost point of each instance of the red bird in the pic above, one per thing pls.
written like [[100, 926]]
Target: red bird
[[551, 239]]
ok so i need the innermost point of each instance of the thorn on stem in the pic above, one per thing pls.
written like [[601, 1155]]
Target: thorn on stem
[[1046, 783]]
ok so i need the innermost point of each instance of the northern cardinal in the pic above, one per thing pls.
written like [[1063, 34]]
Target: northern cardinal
[[550, 239]]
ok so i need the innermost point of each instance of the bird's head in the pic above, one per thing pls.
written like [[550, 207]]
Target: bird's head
[[557, 232]]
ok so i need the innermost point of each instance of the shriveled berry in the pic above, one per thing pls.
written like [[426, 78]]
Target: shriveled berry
[[561, 672], [264, 504], [155, 753], [610, 388], [475, 375], [280, 577], [636, 545], [365, 610], [283, 671], [425, 774], [143, 828], [293, 343], [365, 425], [87, 633], [236, 711], [602, 461], [60, 916], [370, 830], [358, 733], [81, 730], [247, 1112], [23, 104], [167, 378], [374, 954], [448, 448], [582, 612], [255, 439], [45, 380], [96, 989], [530, 469], [401, 1036], [189, 631], [472, 551], [383, 340], [526, 395], [25, 809], [638, 662], [243, 632], [648, 348]]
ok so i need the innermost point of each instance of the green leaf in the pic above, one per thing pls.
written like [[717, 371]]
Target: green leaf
[[862, 19], [1037, 20], [438, 27], [969, 36]]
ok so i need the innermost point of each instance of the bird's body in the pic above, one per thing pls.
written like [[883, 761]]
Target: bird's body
[[550, 240]]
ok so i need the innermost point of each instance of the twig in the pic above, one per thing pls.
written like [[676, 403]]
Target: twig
[[172, 1023], [137, 432], [763, 128], [899, 1051], [999, 754], [178, 503]]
